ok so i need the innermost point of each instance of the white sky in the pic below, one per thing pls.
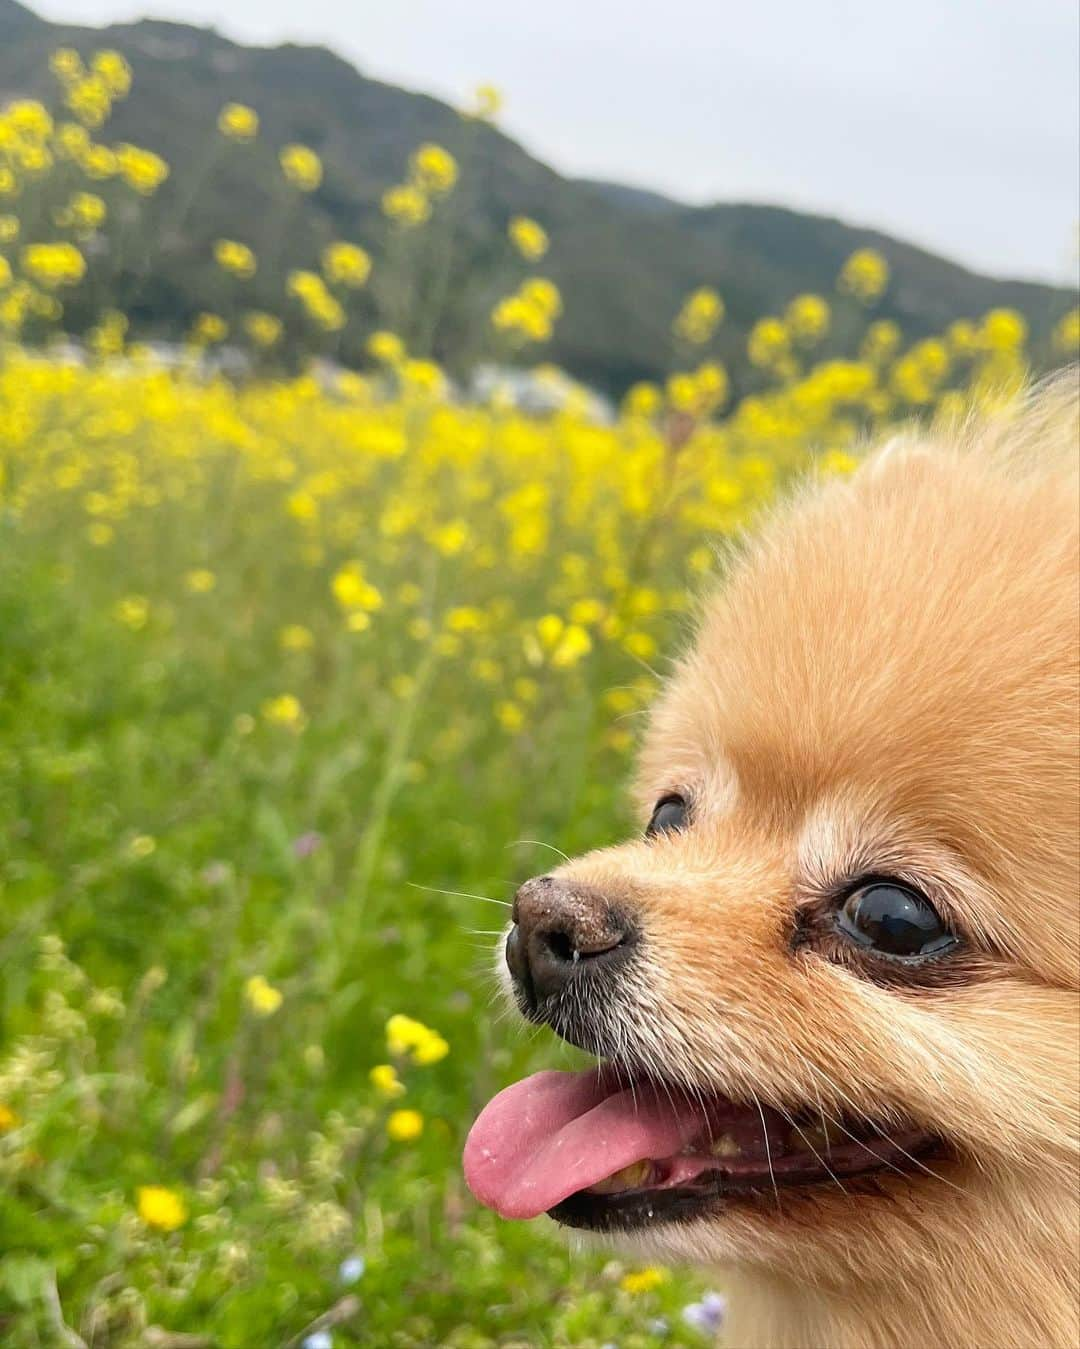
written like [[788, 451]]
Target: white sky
[[951, 123]]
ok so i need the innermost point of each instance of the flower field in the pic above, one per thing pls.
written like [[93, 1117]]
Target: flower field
[[300, 673]]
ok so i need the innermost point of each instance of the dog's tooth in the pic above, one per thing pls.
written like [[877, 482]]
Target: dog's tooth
[[631, 1177], [725, 1145]]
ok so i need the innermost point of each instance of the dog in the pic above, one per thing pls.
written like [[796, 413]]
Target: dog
[[834, 983]]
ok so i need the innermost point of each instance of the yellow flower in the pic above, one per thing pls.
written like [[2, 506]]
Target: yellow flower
[[386, 1082], [387, 347], [66, 64], [114, 71], [301, 166], [142, 170], [433, 169], [529, 238], [510, 715], [405, 1126], [208, 328], [161, 1208], [807, 318], [353, 591], [263, 329], [1003, 330], [1067, 333], [5, 273], [53, 265], [865, 275], [8, 1119], [200, 581], [487, 103], [700, 316], [237, 122], [407, 1036], [295, 637], [235, 258], [9, 228], [406, 204], [261, 996], [85, 212], [284, 710], [643, 1280], [133, 611], [768, 342], [142, 845], [346, 265]]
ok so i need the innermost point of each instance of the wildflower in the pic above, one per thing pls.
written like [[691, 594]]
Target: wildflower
[[386, 1082], [346, 265], [263, 329], [207, 329], [285, 710], [301, 166], [707, 1315], [261, 996], [200, 581], [768, 342], [295, 637], [235, 258], [433, 169], [529, 238], [405, 1126], [53, 265], [510, 715], [643, 1280], [1003, 330], [406, 204], [405, 1035], [1067, 333], [487, 103], [353, 591], [8, 1119], [237, 122], [133, 611], [807, 318], [307, 843], [142, 170], [351, 1269], [66, 64], [161, 1207], [700, 316], [865, 275], [114, 70], [387, 347]]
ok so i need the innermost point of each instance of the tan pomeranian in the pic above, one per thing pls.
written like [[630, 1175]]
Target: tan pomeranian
[[834, 984]]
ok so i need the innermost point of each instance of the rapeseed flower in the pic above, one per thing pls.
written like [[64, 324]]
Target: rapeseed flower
[[405, 1126], [161, 1208], [237, 122], [261, 996]]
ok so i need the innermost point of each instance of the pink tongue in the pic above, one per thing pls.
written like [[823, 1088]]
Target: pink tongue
[[547, 1137]]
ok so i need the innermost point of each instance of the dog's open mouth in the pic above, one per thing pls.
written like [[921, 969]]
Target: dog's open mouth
[[595, 1153]]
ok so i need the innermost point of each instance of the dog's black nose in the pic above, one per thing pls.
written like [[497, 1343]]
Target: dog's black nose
[[561, 930]]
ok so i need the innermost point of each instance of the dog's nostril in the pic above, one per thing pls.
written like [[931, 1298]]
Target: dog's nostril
[[560, 928]]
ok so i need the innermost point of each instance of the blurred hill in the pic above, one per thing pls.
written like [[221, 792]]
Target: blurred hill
[[623, 258]]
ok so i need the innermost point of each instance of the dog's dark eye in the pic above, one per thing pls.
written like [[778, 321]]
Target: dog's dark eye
[[893, 921], [669, 816]]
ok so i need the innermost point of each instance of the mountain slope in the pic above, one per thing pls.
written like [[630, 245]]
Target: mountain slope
[[623, 258]]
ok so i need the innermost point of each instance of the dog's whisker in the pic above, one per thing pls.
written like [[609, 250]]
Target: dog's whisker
[[459, 894], [539, 843]]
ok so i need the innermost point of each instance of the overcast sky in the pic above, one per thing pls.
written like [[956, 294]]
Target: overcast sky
[[952, 123]]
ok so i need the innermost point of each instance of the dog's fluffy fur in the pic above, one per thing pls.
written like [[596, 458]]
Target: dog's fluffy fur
[[887, 683]]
